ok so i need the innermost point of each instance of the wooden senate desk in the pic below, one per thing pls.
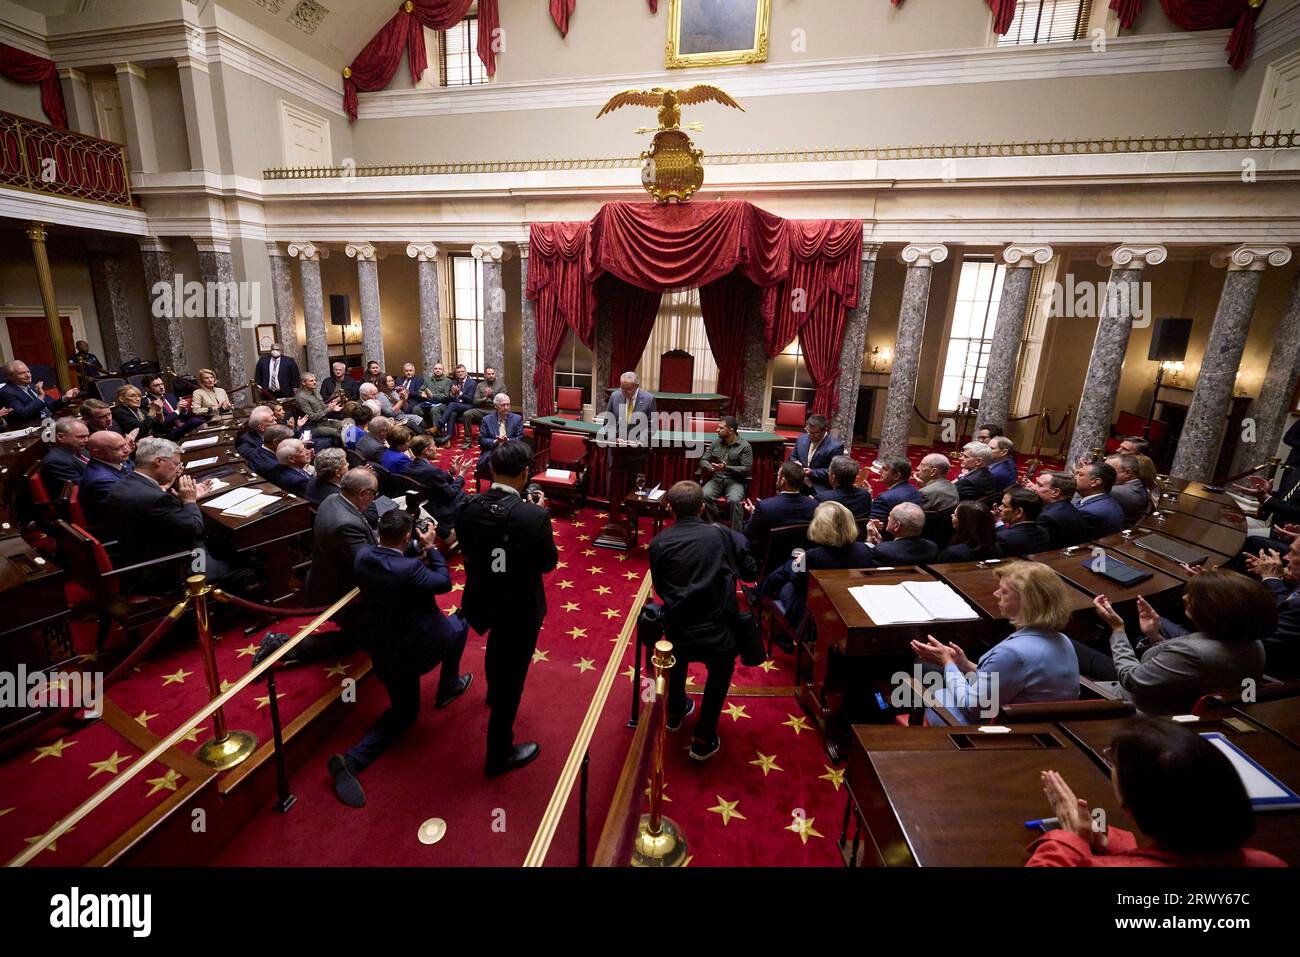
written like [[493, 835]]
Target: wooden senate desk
[[1195, 531], [1196, 490], [1281, 717], [270, 532], [953, 797], [1210, 510], [1074, 565], [34, 632], [683, 401]]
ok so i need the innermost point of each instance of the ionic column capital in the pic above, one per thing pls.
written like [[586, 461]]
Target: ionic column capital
[[362, 251], [524, 249], [870, 250], [1251, 257], [1024, 255], [1133, 256], [923, 254], [308, 251], [490, 252], [423, 252]]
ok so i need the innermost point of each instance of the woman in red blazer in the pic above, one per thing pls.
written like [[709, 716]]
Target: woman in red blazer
[[1155, 765]]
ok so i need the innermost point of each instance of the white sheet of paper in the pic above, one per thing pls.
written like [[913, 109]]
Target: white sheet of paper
[[215, 485], [889, 604], [232, 498], [655, 494], [199, 463], [558, 473], [941, 601], [255, 503], [198, 443], [17, 434]]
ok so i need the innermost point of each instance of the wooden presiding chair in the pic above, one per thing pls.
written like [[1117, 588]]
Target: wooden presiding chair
[[676, 371], [791, 417], [569, 453], [568, 402]]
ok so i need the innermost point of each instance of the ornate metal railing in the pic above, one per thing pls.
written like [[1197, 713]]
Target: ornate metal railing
[[1110, 145], [44, 159]]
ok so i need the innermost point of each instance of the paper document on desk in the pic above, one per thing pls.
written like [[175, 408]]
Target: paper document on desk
[[199, 463], [655, 494], [1266, 792], [198, 443], [254, 503], [231, 499], [558, 473], [896, 604], [215, 485], [941, 601], [17, 434]]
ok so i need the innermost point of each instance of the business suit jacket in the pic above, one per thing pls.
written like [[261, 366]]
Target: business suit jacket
[[487, 434], [1065, 524], [962, 552], [790, 587], [505, 594], [259, 458], [290, 479], [370, 448], [1103, 514], [1174, 673], [149, 523], [1026, 538], [856, 500], [339, 532], [289, 376], [976, 484], [350, 386], [939, 495], [60, 465], [830, 447], [904, 551], [783, 508], [413, 385], [886, 500], [126, 419], [92, 492], [1282, 650], [1004, 473], [691, 567], [1133, 500], [406, 631], [643, 403], [28, 409]]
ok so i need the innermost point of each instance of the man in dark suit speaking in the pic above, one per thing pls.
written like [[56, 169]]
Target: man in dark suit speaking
[[277, 373], [508, 546], [407, 636], [814, 450], [632, 416]]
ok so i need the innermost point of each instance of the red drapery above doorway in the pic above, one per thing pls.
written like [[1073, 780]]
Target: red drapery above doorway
[[23, 67]]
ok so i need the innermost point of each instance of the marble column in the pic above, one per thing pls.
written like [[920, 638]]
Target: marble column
[[37, 234], [528, 360], [309, 256], [168, 335], [1198, 444], [853, 347], [111, 305], [286, 323], [372, 330], [225, 328], [1274, 400], [492, 255], [920, 259], [999, 377], [426, 257], [1097, 401], [754, 384]]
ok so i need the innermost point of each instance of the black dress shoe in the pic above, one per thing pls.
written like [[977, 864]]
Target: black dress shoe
[[271, 642], [675, 724], [521, 755], [461, 686], [346, 786]]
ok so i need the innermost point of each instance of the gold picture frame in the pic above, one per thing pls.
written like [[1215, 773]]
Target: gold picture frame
[[715, 32]]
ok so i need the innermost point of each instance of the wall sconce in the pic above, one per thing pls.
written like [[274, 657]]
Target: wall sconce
[[881, 358], [1173, 371]]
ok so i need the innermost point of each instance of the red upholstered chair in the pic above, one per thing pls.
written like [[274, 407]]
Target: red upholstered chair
[[568, 402], [791, 417], [676, 371], [699, 423], [38, 495], [569, 452], [1129, 423]]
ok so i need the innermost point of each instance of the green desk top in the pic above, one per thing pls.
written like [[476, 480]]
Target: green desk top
[[591, 428], [676, 396]]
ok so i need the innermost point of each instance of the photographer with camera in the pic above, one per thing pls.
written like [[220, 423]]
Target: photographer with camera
[[506, 538]]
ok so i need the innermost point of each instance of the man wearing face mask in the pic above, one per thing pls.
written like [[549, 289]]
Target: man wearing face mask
[[277, 373]]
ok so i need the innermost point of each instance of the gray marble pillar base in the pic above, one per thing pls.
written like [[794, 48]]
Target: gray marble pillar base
[[430, 320], [225, 333], [1097, 401], [855, 344], [1198, 444], [528, 360], [168, 335], [494, 319], [907, 360], [995, 397], [285, 323], [1274, 402], [112, 307]]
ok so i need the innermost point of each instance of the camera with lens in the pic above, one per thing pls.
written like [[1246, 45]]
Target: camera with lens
[[533, 493]]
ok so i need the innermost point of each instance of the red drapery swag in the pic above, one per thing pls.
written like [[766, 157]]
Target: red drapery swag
[[378, 60], [654, 6], [23, 67], [726, 305], [1004, 11], [561, 10], [1127, 10], [632, 312], [1217, 15], [557, 284]]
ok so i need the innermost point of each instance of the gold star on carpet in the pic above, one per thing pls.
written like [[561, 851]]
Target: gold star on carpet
[[55, 845], [736, 711], [612, 613], [595, 570], [337, 670], [107, 766], [803, 826], [584, 538], [796, 724], [836, 777], [727, 809], [578, 525], [167, 782], [144, 717], [193, 734], [460, 567], [631, 576], [452, 609], [225, 686], [585, 664], [570, 606], [588, 552], [602, 514], [621, 558], [178, 678], [559, 565], [630, 673], [539, 655], [767, 762], [565, 584], [54, 750], [264, 700], [576, 633], [768, 665], [246, 652], [602, 589], [559, 547], [458, 586], [665, 795], [691, 682]]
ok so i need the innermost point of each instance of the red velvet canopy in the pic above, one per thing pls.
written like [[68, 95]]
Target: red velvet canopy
[[23, 67], [807, 272]]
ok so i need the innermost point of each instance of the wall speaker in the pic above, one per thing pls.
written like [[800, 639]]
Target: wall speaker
[[1169, 340], [341, 315]]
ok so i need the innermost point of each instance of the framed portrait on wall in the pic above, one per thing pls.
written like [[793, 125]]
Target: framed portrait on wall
[[265, 336], [717, 32]]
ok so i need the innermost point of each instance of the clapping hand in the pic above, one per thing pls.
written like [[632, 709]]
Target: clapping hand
[[1071, 812], [1148, 621], [1286, 532], [189, 492], [427, 537], [937, 653], [1108, 613], [1267, 564]]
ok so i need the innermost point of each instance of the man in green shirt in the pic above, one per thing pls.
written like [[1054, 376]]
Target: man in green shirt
[[727, 466], [434, 394]]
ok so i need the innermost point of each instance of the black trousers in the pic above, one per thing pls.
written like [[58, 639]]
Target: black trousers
[[720, 665], [509, 653], [333, 644]]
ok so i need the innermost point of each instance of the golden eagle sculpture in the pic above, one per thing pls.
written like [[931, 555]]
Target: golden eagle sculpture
[[671, 170]]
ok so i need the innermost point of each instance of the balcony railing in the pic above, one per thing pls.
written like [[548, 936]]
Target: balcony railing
[[41, 158]]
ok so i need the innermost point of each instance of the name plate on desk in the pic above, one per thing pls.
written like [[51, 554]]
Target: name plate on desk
[[199, 443]]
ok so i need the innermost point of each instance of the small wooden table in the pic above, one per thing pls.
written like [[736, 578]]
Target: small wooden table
[[655, 509]]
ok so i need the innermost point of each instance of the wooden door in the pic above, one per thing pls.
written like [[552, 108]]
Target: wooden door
[[29, 338]]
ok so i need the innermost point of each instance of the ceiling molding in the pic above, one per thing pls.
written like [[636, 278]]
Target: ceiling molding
[[57, 210], [1280, 29]]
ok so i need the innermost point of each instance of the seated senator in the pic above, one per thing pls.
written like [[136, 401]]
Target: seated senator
[[789, 506], [844, 488], [974, 538], [397, 457], [110, 461], [894, 473], [66, 459], [292, 459], [906, 546], [834, 536], [978, 483], [1021, 533]]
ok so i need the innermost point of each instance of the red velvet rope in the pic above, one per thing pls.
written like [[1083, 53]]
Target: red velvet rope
[[227, 597]]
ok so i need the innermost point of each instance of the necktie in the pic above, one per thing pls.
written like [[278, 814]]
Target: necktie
[[275, 375], [501, 429]]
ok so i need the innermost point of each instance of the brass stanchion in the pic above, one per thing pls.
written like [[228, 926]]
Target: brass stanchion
[[227, 748], [659, 841]]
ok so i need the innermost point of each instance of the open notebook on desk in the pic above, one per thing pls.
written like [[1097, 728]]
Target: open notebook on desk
[[912, 602]]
